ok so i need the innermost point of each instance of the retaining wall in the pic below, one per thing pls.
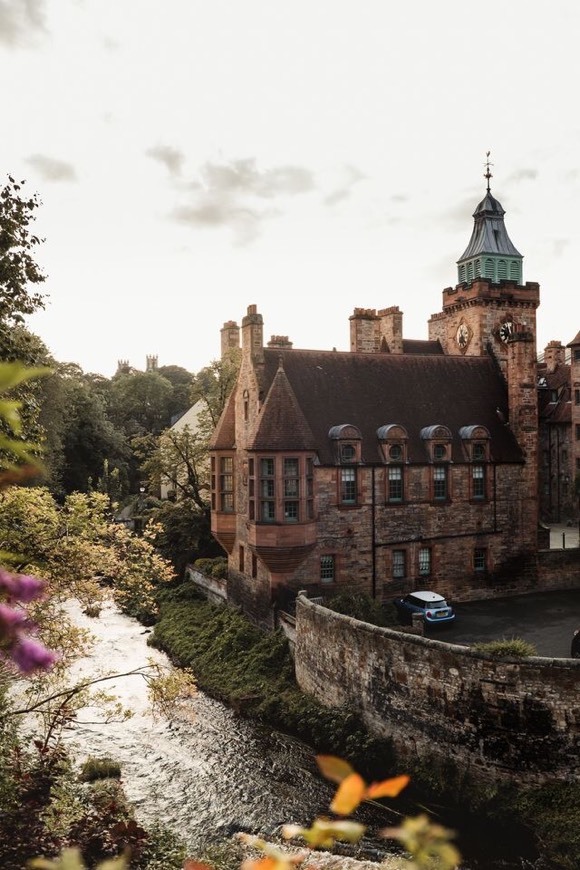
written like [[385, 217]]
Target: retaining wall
[[516, 718]]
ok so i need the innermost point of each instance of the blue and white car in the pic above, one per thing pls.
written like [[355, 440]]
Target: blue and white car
[[432, 607]]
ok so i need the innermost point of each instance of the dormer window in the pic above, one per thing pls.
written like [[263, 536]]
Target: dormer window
[[393, 439], [439, 452], [396, 452], [347, 453], [347, 440], [438, 443], [475, 441]]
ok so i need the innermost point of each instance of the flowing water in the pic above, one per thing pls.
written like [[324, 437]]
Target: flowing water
[[206, 774]]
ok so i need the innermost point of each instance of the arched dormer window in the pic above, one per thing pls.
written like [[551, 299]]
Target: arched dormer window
[[476, 446], [437, 439], [347, 454], [393, 440], [347, 440]]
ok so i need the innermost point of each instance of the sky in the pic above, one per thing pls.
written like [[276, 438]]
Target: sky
[[194, 157]]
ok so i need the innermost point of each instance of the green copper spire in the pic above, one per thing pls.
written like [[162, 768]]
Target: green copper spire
[[490, 252]]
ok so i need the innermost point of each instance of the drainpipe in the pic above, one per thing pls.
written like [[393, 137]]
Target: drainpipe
[[373, 533]]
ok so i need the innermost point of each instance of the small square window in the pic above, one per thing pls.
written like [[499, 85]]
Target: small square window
[[291, 511], [439, 452]]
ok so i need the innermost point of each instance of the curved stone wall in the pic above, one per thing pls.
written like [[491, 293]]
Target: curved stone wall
[[516, 718]]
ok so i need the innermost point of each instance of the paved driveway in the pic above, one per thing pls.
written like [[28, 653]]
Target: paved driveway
[[546, 619]]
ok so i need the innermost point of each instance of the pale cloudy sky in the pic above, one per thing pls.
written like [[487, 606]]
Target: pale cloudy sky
[[194, 157]]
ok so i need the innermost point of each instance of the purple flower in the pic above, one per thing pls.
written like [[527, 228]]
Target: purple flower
[[10, 618], [26, 588], [30, 655]]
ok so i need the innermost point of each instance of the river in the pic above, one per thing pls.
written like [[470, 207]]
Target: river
[[206, 774]]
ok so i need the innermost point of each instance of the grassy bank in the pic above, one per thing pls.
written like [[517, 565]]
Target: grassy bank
[[253, 672]]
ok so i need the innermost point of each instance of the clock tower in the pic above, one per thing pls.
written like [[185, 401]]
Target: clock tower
[[490, 301]]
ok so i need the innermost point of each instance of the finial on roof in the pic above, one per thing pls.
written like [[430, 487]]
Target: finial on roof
[[487, 174]]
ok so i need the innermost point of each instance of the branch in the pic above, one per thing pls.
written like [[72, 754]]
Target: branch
[[69, 693]]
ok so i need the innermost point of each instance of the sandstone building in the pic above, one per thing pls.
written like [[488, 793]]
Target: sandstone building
[[401, 464]]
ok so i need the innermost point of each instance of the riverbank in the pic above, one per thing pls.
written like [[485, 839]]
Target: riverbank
[[253, 673]]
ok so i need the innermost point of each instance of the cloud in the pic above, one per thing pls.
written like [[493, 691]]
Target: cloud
[[233, 194], [522, 175], [19, 19], [170, 157], [350, 176], [51, 169]]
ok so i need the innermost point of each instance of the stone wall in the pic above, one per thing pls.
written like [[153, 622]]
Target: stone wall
[[500, 718]]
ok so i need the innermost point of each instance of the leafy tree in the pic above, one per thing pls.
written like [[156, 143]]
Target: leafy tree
[[140, 403], [182, 381], [212, 387], [18, 268]]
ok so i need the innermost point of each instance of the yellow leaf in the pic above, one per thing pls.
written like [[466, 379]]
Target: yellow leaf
[[387, 788], [259, 864], [324, 833], [334, 768], [349, 795]]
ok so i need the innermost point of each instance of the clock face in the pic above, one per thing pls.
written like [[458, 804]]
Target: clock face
[[506, 330], [462, 336]]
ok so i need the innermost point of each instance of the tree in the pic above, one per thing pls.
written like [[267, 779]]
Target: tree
[[18, 268], [181, 380], [140, 403], [213, 385]]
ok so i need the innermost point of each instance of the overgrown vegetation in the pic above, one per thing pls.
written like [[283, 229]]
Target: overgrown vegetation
[[361, 606], [253, 672], [514, 647], [46, 807]]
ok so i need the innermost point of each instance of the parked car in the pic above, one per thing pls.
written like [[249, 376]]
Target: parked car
[[432, 607]]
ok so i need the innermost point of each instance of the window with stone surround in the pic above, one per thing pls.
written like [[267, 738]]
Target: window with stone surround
[[348, 486], [327, 569], [424, 561], [577, 431], [440, 483], [280, 489], [480, 560], [395, 484], [478, 491], [577, 397], [291, 489], [226, 484], [399, 564], [267, 485]]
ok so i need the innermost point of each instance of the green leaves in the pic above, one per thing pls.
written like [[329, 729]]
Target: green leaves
[[16, 450]]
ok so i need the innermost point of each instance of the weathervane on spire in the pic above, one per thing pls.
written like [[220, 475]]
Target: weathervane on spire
[[487, 174]]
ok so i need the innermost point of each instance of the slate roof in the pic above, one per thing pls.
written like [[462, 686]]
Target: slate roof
[[372, 390], [489, 234], [224, 435], [413, 345], [560, 411], [574, 341]]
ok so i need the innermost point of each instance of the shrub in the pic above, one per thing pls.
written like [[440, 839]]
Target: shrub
[[514, 647], [217, 568], [100, 768], [361, 606]]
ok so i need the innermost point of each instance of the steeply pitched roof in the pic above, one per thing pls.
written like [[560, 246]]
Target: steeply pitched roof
[[574, 341], [559, 380], [413, 345], [224, 436], [282, 425], [373, 390], [489, 234]]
